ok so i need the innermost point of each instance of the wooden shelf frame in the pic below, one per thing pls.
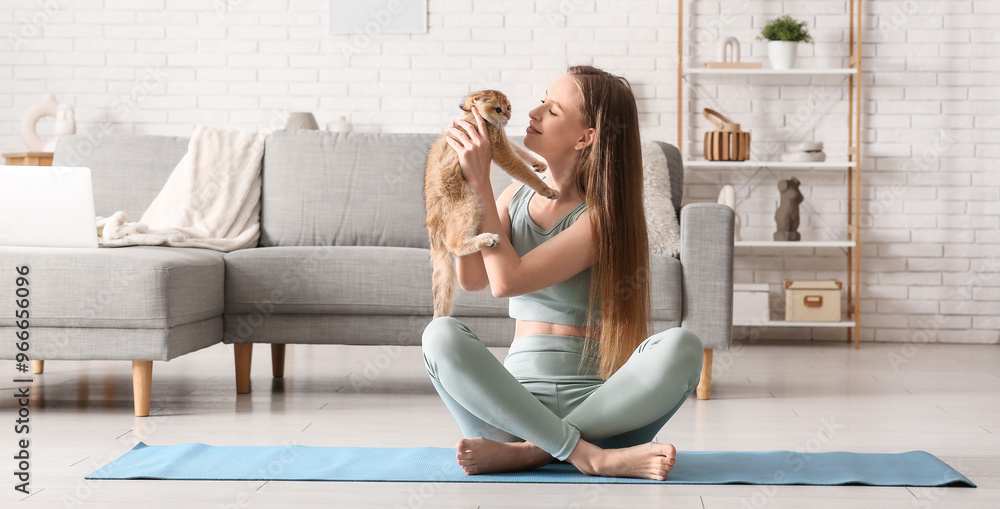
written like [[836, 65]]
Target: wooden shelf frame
[[853, 165]]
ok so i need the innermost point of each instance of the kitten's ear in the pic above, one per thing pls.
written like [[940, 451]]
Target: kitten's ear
[[480, 97]]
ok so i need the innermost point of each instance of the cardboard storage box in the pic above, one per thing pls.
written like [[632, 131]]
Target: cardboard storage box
[[812, 301]]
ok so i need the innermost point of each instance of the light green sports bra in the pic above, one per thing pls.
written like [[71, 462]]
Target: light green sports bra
[[562, 303]]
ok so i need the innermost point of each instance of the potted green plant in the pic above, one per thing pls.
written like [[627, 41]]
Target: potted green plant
[[784, 35]]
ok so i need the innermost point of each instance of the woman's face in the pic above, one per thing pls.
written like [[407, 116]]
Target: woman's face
[[557, 126]]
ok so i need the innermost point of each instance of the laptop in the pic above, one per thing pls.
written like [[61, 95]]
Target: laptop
[[47, 206]]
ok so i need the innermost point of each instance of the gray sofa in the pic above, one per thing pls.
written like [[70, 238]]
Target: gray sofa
[[342, 259]]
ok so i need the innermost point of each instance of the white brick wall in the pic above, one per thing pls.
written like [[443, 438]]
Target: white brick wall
[[931, 182]]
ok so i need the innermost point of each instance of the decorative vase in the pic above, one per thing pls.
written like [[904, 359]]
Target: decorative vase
[[301, 120], [727, 197], [782, 54], [341, 125]]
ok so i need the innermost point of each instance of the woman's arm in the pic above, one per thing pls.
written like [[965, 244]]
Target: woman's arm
[[471, 272], [472, 276], [556, 260]]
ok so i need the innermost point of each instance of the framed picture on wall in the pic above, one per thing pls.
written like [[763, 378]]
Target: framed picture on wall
[[373, 17]]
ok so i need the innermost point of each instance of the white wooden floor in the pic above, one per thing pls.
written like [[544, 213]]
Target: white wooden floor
[[819, 396]]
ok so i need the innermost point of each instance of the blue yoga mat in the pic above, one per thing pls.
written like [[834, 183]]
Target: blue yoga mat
[[436, 464]]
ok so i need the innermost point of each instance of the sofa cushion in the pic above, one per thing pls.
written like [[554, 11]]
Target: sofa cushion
[[341, 280], [665, 287], [343, 189], [128, 171], [113, 343], [368, 280], [130, 287]]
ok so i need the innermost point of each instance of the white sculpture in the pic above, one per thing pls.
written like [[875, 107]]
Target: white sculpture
[[47, 107], [728, 197], [733, 47], [341, 125]]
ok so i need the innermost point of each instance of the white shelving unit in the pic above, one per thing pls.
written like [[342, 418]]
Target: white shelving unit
[[851, 245], [798, 243], [745, 72], [777, 323], [825, 165]]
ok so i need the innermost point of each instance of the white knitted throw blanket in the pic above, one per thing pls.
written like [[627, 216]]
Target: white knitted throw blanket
[[661, 219], [211, 199]]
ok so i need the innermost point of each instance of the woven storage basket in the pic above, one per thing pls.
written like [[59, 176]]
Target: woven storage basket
[[727, 143]]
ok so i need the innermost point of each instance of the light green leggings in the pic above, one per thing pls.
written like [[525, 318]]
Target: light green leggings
[[538, 395]]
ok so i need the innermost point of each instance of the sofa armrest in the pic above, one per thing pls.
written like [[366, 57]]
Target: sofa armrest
[[707, 272]]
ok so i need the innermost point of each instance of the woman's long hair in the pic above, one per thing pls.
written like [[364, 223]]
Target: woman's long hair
[[609, 175]]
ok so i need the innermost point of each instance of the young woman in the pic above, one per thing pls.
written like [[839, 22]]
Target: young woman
[[582, 382]]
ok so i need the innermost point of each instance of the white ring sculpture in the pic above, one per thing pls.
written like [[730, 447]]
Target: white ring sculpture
[[47, 107]]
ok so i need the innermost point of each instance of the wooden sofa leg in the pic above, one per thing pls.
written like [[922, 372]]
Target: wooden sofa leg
[[704, 389], [37, 367], [278, 359], [243, 353], [142, 383]]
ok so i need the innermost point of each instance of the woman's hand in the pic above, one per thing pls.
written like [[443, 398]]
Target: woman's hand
[[472, 144]]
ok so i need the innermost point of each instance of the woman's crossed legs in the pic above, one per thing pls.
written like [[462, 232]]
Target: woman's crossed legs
[[598, 436]]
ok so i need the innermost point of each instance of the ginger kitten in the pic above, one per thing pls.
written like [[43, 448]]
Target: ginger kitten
[[453, 211]]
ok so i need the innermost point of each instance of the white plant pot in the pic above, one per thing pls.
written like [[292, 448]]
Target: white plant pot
[[782, 54]]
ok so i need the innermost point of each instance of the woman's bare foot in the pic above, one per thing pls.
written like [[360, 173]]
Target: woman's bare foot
[[485, 456], [644, 461]]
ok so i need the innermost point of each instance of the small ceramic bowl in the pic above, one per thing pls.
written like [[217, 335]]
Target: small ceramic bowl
[[803, 157], [806, 146]]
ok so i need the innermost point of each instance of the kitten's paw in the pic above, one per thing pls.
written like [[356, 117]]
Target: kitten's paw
[[539, 167], [550, 193], [487, 239]]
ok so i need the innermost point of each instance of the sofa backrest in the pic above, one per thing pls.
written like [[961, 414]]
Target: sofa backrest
[[318, 188], [127, 171], [343, 189], [360, 189]]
